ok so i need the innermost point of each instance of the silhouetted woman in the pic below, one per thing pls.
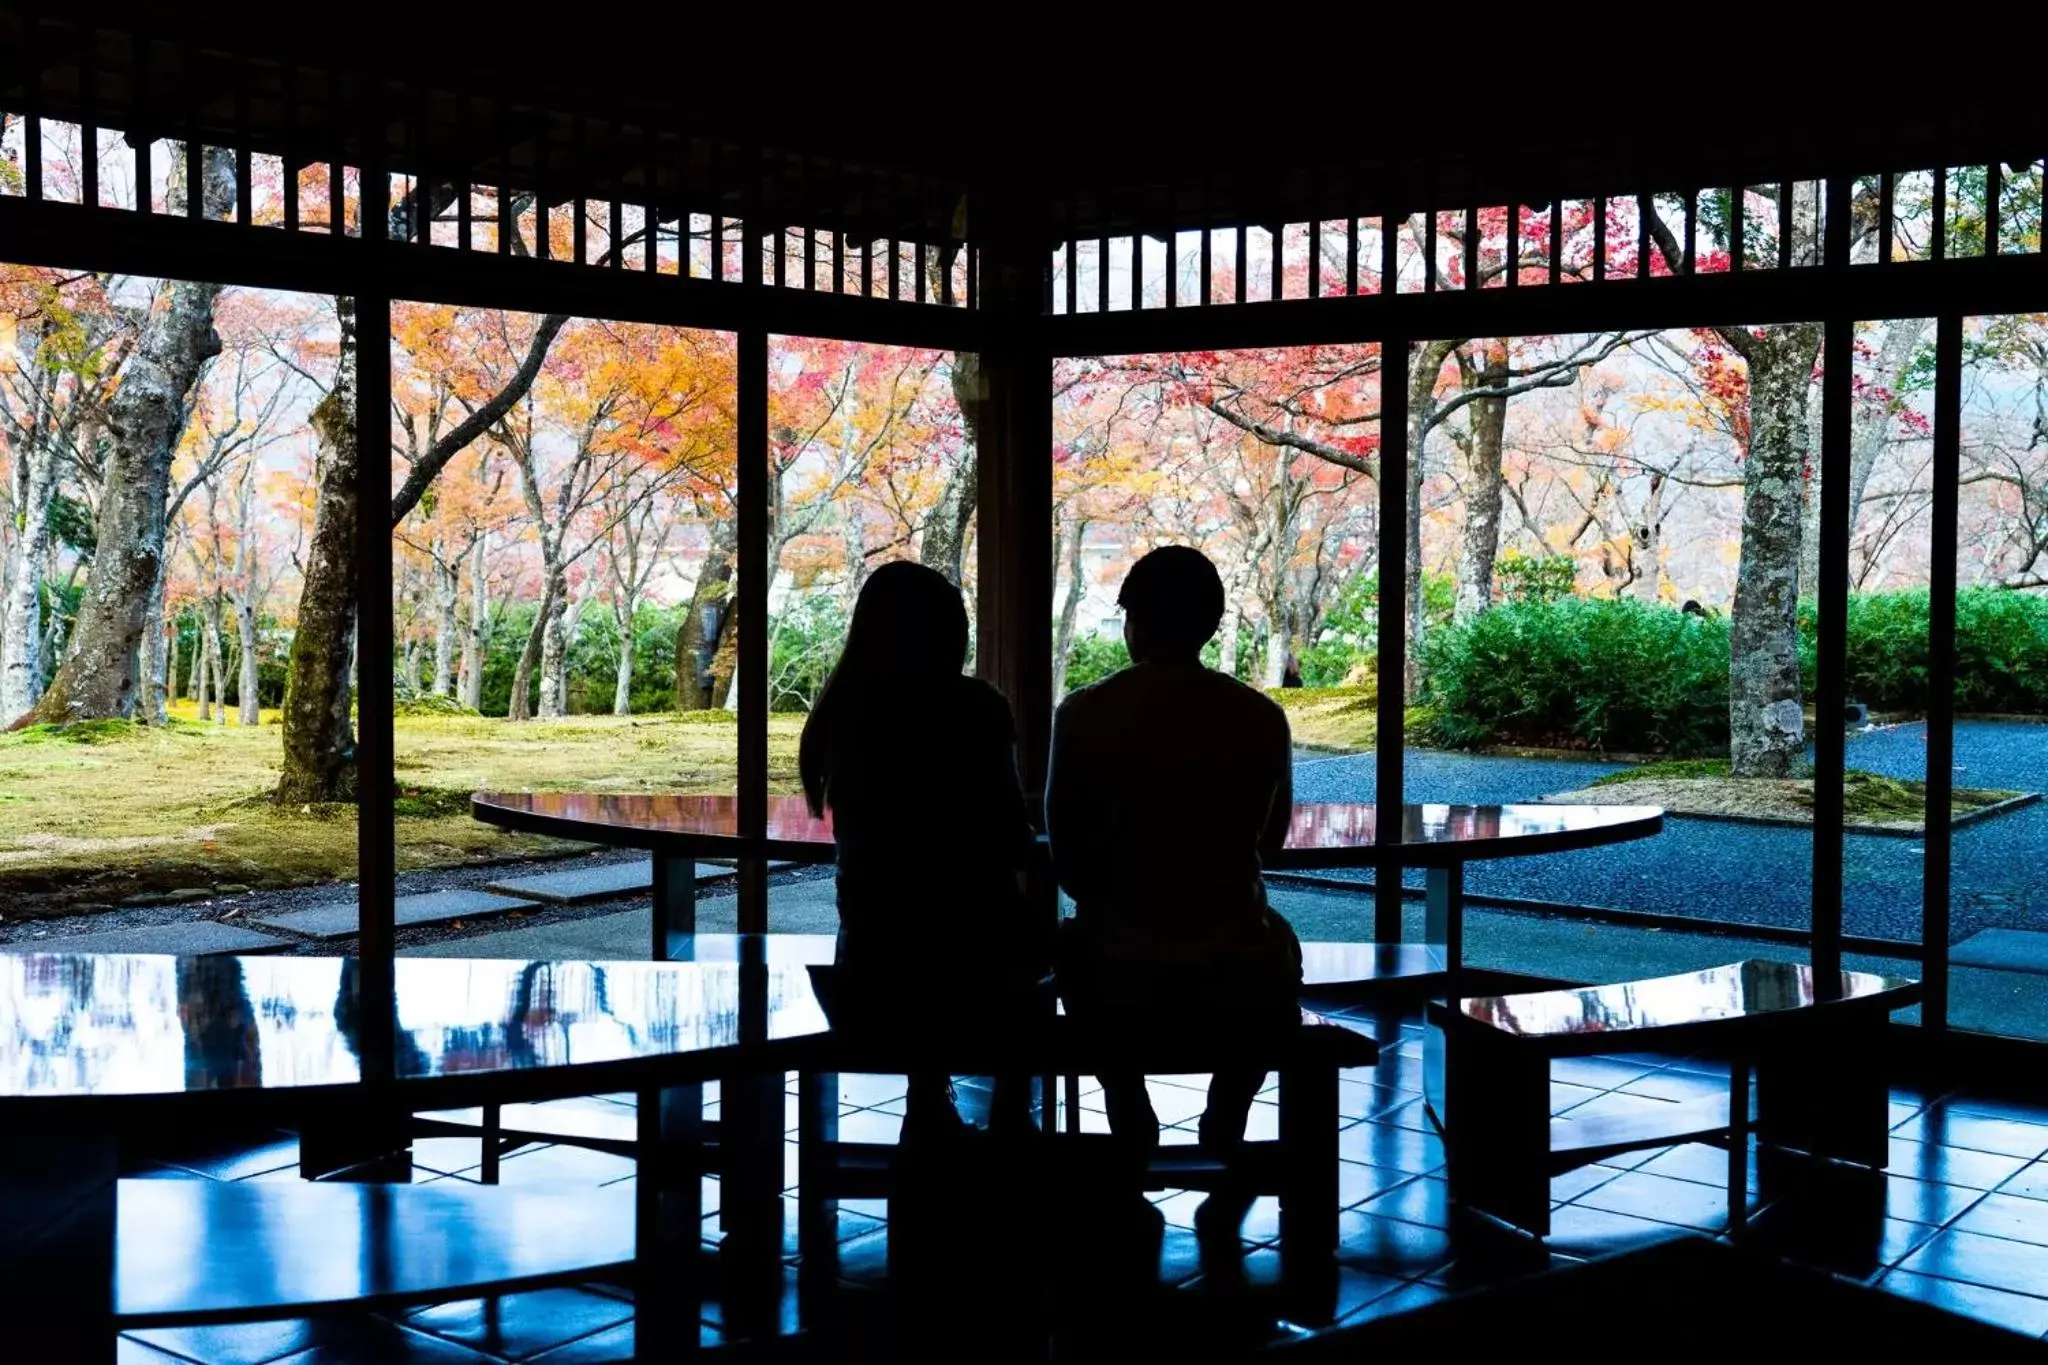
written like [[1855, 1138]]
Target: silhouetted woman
[[917, 764]]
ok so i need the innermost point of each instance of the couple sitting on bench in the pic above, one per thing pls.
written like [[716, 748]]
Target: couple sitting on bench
[[1169, 782]]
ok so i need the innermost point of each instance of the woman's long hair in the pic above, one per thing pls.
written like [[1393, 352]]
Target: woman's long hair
[[908, 636]]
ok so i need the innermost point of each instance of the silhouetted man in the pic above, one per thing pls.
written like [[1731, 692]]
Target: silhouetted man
[[1169, 784]]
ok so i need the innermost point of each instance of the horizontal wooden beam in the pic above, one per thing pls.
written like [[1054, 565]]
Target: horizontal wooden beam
[[68, 236], [1974, 286]]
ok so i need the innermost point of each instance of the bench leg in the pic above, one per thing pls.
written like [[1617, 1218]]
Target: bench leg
[[669, 1222], [493, 1143], [675, 906], [1308, 1194], [1498, 1149], [1444, 933], [817, 1227], [1823, 1092], [1738, 1145]]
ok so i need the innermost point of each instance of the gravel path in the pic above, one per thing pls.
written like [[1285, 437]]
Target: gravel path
[[1757, 874]]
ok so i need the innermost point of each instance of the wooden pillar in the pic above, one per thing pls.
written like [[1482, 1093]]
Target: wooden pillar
[[1014, 593]]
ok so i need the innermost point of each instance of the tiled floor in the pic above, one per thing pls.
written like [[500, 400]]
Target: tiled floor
[[1960, 1220]]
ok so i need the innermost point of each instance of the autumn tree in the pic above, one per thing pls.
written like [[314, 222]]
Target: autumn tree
[[145, 417]]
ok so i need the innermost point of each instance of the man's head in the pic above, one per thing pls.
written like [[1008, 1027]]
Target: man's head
[[1172, 601]]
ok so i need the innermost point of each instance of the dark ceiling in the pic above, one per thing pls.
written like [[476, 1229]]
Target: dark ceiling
[[1064, 137]]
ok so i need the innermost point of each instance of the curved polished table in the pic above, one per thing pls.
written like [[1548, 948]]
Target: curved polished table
[[98, 1047], [1441, 839]]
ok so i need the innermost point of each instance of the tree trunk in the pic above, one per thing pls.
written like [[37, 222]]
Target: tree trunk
[[37, 475], [156, 664], [1646, 539], [216, 662], [554, 654], [707, 625], [945, 531], [1766, 731], [202, 680], [447, 588], [1482, 502], [319, 743], [622, 681], [167, 660], [245, 630], [521, 706], [1421, 419], [1070, 607], [195, 667], [473, 631], [145, 418]]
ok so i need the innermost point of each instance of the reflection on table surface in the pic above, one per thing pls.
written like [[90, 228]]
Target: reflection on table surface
[[120, 1024], [1322, 963], [1336, 825], [710, 817], [1316, 826], [1734, 991]]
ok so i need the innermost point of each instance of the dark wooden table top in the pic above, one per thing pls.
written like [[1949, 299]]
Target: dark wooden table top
[[1321, 835]]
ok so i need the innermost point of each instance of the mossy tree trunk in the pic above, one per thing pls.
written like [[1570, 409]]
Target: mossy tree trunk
[[319, 742], [1766, 729], [703, 638], [101, 677]]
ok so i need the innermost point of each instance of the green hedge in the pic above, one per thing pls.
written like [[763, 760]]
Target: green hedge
[[1606, 674], [2001, 655], [1580, 672]]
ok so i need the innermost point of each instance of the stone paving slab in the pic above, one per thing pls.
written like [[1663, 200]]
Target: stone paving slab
[[193, 938], [338, 919], [808, 907], [2007, 950], [578, 885]]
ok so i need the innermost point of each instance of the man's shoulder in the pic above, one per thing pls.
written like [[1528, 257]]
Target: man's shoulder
[[1253, 700]]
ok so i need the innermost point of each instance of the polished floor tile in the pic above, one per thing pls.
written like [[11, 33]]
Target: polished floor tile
[[1661, 1199], [2018, 1312], [1383, 1144], [1357, 1182], [1994, 1262], [1949, 1127], [1698, 1162], [1387, 1246], [517, 1326], [1666, 1084], [1580, 1230], [1423, 1199], [1952, 1165], [559, 1163], [2004, 1215], [1403, 1300], [2030, 1183]]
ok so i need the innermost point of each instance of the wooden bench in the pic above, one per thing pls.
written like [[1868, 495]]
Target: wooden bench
[[1300, 1166], [1813, 1043]]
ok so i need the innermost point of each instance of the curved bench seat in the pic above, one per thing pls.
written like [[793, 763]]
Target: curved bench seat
[[1811, 1038]]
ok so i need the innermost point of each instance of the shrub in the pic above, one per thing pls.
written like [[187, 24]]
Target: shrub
[[2001, 654], [1535, 578], [1092, 658], [1580, 672]]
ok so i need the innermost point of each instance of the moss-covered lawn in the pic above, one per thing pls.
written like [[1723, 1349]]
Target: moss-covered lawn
[[1338, 720], [94, 814], [1703, 786]]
